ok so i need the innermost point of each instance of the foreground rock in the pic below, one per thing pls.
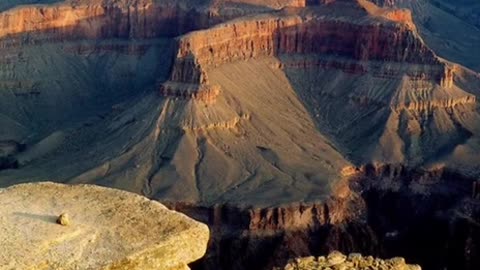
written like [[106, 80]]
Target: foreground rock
[[109, 229], [337, 260]]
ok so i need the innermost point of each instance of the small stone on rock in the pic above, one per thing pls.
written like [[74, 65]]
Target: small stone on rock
[[63, 219]]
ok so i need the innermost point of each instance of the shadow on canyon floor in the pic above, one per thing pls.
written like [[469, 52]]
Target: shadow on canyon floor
[[437, 227]]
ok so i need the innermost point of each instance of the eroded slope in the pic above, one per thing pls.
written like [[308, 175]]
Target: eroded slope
[[265, 109]]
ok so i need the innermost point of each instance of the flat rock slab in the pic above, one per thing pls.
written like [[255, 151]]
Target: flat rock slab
[[108, 229]]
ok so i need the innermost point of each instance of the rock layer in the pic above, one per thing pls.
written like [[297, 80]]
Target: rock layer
[[388, 211], [369, 34], [107, 229]]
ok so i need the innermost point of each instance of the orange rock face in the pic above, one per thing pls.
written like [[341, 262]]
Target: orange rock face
[[310, 33], [300, 35], [94, 20]]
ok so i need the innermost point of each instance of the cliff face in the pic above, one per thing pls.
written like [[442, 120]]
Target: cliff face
[[385, 211], [297, 35], [354, 42], [93, 20], [261, 238]]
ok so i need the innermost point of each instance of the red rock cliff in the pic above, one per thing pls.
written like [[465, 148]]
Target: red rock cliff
[[102, 21], [361, 38]]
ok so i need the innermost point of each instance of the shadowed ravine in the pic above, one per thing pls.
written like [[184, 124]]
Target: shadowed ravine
[[429, 218]]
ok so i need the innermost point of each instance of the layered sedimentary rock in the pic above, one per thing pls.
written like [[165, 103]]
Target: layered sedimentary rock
[[106, 229], [314, 32], [268, 112], [310, 31], [268, 237], [389, 211], [96, 20], [348, 58], [353, 260], [351, 71], [373, 44]]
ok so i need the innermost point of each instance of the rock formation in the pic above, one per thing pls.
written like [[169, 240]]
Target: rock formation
[[296, 33], [344, 68], [386, 211], [252, 116], [352, 261], [107, 229]]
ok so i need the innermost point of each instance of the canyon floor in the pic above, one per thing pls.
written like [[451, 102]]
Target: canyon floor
[[288, 126]]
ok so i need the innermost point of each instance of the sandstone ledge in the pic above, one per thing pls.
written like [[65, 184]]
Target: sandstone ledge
[[354, 261], [108, 229]]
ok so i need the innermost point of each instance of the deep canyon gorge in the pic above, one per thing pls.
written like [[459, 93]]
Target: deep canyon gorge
[[291, 127]]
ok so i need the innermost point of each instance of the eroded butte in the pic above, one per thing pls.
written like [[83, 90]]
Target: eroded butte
[[256, 103]]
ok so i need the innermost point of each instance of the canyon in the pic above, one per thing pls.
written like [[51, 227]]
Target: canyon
[[292, 128], [429, 217]]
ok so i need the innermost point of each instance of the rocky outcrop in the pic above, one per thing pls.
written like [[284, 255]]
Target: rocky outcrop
[[229, 124], [303, 34], [440, 74], [429, 105], [353, 261], [187, 91], [106, 229], [261, 238]]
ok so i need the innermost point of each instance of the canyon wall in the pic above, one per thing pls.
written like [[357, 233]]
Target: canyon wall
[[427, 216], [299, 35], [96, 21], [350, 45]]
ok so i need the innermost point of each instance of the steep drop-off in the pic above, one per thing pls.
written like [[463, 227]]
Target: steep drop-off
[[102, 228], [429, 217]]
